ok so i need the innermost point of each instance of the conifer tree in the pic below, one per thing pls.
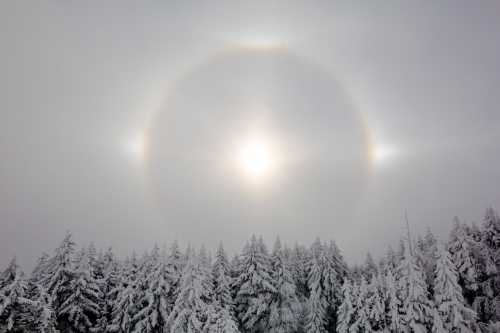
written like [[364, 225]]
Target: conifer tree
[[284, 308], [298, 266], [392, 260], [456, 317], [222, 280], [427, 256], [461, 246], [346, 315], [224, 322], [81, 309], [58, 278], [191, 309], [332, 279], [415, 303], [362, 322], [38, 273], [175, 265], [254, 287], [490, 262], [124, 308], [376, 304], [370, 268], [13, 300], [153, 316], [394, 317], [317, 303]]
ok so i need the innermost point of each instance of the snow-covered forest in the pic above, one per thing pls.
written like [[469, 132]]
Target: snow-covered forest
[[421, 285]]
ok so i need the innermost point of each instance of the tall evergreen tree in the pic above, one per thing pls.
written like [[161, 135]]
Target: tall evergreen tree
[[415, 303], [284, 308], [376, 303], [153, 316], [490, 262], [224, 322], [449, 300], [346, 315], [58, 278], [362, 322], [193, 304], [13, 298], [254, 288], [222, 280], [393, 312], [124, 308], [461, 247], [81, 309], [317, 303]]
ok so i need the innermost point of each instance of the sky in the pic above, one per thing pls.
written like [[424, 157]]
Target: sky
[[130, 124]]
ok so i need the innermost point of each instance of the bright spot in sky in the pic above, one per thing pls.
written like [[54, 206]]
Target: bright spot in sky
[[382, 153], [256, 159], [136, 147], [260, 41]]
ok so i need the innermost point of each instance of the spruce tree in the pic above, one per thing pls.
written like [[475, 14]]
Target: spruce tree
[[59, 278], [221, 273], [224, 322], [124, 307], [461, 247], [13, 298], [456, 317], [317, 303], [346, 315], [415, 303], [254, 287], [81, 309], [393, 313], [193, 305], [153, 316], [376, 304], [362, 322], [284, 308]]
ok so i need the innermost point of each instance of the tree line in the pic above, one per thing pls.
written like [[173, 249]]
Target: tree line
[[421, 286]]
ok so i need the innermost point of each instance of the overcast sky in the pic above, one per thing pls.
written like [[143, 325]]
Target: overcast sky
[[369, 109]]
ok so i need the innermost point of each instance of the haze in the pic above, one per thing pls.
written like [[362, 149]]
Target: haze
[[122, 122]]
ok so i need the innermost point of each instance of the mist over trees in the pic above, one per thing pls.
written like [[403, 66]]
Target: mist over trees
[[422, 285]]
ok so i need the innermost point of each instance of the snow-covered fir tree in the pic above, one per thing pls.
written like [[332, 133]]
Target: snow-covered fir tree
[[123, 308], [224, 322], [362, 322], [13, 299], [415, 304], [82, 307], [317, 302], [456, 316], [193, 304], [394, 320], [176, 262], [222, 280], [346, 314], [284, 307], [376, 303], [490, 266], [461, 246], [254, 287], [426, 252]]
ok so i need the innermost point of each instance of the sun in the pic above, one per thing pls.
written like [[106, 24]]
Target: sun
[[256, 159], [136, 147]]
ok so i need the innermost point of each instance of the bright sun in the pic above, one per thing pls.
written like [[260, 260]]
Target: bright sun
[[256, 159]]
